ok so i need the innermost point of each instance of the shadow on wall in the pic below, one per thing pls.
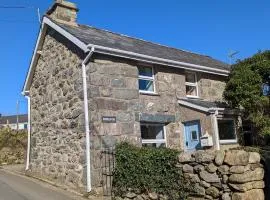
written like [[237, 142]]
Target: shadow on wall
[[266, 162]]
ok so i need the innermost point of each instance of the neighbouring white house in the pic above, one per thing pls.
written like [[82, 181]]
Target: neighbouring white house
[[15, 122]]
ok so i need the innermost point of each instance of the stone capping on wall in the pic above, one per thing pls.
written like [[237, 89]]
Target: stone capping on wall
[[226, 175]]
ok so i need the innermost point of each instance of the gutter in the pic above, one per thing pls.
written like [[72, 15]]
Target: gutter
[[156, 60], [86, 118]]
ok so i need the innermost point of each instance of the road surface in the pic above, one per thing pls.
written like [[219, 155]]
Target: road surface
[[16, 187]]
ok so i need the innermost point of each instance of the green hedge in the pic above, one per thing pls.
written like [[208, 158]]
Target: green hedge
[[147, 170]]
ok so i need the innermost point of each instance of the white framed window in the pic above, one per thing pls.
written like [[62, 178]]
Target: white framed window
[[146, 80], [227, 131], [153, 135], [191, 85]]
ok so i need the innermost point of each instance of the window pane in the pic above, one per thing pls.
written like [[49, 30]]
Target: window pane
[[191, 90], [194, 135], [152, 132], [146, 85], [190, 77], [145, 71], [157, 145], [226, 130]]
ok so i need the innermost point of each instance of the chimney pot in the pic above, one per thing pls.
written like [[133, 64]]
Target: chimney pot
[[64, 12]]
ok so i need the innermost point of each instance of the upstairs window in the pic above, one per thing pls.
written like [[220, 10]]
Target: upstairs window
[[146, 80], [191, 84], [153, 135]]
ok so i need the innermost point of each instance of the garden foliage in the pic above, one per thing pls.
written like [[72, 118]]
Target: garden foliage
[[148, 170], [244, 90]]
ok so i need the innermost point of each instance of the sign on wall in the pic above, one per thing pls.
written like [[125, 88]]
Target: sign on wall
[[108, 119]]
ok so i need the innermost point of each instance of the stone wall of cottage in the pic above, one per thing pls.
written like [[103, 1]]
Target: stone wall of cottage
[[113, 91], [57, 117], [211, 86], [226, 175]]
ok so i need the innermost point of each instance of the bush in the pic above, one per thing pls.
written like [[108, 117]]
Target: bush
[[12, 146], [147, 170], [244, 90], [12, 139]]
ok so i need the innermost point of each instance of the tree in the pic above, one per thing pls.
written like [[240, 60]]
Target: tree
[[244, 90]]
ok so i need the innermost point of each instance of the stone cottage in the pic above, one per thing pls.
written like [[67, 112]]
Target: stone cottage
[[89, 88]]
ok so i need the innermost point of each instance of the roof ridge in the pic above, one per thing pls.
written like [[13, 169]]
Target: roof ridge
[[131, 37]]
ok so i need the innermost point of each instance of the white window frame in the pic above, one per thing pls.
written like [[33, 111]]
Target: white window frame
[[192, 85], [155, 141], [231, 141], [148, 79]]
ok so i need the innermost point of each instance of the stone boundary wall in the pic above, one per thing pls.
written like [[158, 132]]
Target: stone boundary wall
[[224, 175]]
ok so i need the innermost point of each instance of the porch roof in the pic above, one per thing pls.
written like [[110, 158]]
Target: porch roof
[[204, 105]]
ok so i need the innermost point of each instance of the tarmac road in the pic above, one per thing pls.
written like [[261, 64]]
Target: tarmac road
[[16, 187]]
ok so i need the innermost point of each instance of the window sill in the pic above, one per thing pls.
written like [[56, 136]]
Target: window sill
[[192, 97], [228, 141], [149, 93]]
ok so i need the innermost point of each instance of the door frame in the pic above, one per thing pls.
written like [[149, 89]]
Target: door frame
[[185, 137]]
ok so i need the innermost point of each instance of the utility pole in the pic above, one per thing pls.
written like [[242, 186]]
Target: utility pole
[[39, 16], [17, 108]]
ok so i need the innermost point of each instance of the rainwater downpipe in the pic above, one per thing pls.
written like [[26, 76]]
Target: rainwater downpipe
[[28, 131], [86, 117], [216, 130]]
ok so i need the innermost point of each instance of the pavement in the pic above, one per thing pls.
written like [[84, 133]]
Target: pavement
[[14, 186]]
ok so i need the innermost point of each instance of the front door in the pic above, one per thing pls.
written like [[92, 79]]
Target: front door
[[192, 135]]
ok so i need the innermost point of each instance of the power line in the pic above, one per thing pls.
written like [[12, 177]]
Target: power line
[[21, 7], [16, 7], [16, 21]]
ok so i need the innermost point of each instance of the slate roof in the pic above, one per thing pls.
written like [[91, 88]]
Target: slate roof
[[12, 119], [206, 104], [91, 35]]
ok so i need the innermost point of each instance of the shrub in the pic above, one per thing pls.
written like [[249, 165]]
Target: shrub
[[12, 146], [12, 139], [147, 170], [244, 90]]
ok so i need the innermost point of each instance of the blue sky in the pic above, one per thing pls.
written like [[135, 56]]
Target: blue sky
[[208, 27]]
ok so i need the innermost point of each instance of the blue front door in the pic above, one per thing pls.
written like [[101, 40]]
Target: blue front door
[[192, 135]]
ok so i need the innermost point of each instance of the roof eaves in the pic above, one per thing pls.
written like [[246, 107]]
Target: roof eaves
[[192, 105], [156, 60]]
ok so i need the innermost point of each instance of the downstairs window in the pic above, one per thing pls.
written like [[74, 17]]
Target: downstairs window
[[153, 135], [226, 129]]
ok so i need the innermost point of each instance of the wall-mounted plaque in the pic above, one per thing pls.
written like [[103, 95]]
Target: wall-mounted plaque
[[108, 119]]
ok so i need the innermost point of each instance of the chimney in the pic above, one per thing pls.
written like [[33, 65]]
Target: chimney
[[64, 12]]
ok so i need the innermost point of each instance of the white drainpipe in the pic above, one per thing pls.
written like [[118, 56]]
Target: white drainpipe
[[29, 132], [86, 116], [216, 129]]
